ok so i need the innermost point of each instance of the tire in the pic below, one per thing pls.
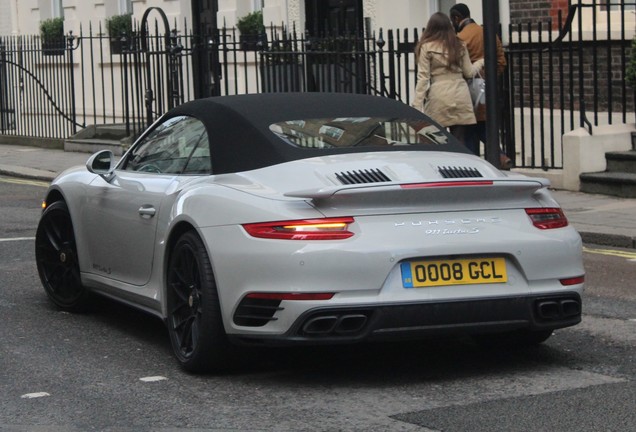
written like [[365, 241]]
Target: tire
[[57, 261], [194, 319]]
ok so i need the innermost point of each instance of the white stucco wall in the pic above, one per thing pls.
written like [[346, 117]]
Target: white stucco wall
[[398, 14], [29, 13], [230, 11], [382, 13], [7, 17]]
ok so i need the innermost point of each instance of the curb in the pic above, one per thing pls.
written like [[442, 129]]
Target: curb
[[614, 240], [28, 173]]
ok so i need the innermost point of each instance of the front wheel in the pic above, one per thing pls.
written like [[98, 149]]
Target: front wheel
[[194, 318], [57, 261]]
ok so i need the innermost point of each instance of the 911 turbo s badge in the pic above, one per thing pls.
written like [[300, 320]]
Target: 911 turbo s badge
[[447, 231]]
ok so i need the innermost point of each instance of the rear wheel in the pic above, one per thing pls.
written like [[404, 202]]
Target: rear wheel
[[194, 315], [57, 261]]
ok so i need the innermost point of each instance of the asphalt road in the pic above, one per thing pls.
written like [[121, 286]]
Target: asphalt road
[[112, 369]]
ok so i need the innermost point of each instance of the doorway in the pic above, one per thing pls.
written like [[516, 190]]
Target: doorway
[[333, 17], [205, 61]]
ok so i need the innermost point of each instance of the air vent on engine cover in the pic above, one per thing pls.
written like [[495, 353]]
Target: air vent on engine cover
[[459, 172], [362, 176]]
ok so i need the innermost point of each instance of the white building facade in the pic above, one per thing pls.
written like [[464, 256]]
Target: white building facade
[[23, 16]]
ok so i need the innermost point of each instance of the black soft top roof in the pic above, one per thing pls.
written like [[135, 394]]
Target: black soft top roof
[[239, 126]]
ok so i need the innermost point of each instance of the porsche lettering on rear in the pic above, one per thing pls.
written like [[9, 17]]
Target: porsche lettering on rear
[[437, 222]]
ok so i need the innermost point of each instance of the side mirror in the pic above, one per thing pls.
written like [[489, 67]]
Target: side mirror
[[102, 163]]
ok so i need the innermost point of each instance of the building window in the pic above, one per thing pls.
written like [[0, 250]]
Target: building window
[[57, 11], [257, 5], [125, 7]]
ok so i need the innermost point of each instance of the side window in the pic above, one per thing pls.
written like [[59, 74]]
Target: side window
[[177, 146]]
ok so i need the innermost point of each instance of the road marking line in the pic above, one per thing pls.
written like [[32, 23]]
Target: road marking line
[[34, 395], [25, 182], [611, 252], [17, 239], [153, 379]]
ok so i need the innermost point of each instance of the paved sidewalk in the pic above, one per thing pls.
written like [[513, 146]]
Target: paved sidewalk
[[601, 219]]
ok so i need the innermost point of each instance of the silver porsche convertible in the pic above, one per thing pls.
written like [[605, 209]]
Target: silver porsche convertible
[[279, 219]]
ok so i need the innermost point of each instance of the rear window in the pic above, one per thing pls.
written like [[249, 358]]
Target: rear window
[[344, 132]]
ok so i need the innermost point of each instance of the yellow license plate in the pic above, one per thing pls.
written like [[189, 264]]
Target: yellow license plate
[[418, 274]]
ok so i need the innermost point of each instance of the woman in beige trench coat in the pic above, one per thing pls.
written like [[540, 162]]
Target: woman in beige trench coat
[[443, 67]]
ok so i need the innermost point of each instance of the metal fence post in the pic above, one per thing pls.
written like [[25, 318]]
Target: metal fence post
[[124, 52], [71, 71], [491, 22]]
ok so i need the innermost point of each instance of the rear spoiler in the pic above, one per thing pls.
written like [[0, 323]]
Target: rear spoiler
[[525, 185]]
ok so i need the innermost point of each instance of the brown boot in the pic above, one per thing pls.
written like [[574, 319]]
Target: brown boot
[[505, 162]]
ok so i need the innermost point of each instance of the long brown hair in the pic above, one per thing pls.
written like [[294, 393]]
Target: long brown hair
[[440, 29]]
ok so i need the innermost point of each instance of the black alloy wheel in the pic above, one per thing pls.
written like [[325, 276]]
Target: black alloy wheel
[[194, 316], [57, 261]]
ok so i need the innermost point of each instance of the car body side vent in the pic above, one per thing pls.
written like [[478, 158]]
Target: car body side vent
[[459, 172], [256, 312], [362, 176]]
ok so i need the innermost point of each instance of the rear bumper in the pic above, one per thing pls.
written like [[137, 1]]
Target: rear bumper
[[346, 324]]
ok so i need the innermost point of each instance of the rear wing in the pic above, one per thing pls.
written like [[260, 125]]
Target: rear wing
[[446, 195]]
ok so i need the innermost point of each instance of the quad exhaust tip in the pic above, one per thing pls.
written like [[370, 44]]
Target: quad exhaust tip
[[557, 309], [334, 325]]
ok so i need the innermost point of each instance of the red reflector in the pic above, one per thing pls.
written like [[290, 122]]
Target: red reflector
[[291, 296], [308, 229], [447, 184], [547, 218], [572, 281]]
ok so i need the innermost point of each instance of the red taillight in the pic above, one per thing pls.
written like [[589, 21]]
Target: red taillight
[[572, 281], [547, 218], [291, 296], [308, 229]]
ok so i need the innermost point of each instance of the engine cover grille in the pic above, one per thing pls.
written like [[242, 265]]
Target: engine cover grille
[[362, 176], [459, 172]]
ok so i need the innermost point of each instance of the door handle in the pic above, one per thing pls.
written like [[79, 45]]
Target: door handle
[[147, 212]]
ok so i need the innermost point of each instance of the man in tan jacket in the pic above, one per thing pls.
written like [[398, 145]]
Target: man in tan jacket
[[473, 36]]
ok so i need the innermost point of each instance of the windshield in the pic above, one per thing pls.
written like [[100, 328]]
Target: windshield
[[345, 132]]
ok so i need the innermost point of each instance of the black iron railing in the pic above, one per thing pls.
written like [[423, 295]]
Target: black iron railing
[[562, 78]]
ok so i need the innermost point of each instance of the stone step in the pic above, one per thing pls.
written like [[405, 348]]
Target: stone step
[[92, 145], [622, 184], [99, 137], [110, 131], [621, 161]]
